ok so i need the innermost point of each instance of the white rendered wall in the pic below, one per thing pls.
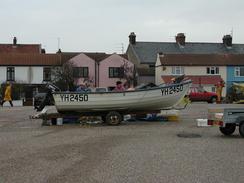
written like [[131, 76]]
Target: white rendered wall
[[192, 70], [2, 74], [24, 74]]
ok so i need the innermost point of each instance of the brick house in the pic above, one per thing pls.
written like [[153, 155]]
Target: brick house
[[144, 54]]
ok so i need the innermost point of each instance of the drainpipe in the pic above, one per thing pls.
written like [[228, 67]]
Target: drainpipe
[[98, 73], [95, 74]]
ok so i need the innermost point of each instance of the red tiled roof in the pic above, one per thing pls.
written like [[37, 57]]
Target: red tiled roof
[[196, 80], [29, 59], [65, 56], [202, 59], [20, 48]]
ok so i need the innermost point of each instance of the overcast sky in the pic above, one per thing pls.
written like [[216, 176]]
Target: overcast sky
[[103, 25]]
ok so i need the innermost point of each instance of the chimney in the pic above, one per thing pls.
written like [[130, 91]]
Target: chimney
[[227, 40], [43, 51], [180, 39], [59, 51], [160, 53], [15, 41], [132, 38]]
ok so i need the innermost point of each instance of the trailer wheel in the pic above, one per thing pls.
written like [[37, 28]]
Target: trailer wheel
[[103, 118], [229, 129], [113, 118], [241, 129]]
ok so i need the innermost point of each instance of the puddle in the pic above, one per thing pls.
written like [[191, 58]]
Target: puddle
[[188, 135]]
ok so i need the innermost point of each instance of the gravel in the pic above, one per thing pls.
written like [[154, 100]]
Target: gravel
[[132, 152]]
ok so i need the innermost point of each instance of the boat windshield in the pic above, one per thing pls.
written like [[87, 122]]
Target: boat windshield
[[145, 86]]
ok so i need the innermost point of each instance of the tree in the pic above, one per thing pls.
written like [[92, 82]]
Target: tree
[[128, 73], [63, 77]]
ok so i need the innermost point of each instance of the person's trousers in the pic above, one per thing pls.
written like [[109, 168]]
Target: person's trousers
[[10, 101]]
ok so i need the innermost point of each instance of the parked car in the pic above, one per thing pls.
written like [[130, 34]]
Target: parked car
[[199, 94]]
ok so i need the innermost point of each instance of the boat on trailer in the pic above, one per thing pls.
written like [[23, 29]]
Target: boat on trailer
[[112, 105]]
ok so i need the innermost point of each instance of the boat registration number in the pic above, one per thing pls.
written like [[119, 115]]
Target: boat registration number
[[171, 90], [74, 97]]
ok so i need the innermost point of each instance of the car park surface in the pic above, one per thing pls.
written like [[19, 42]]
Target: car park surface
[[132, 152]]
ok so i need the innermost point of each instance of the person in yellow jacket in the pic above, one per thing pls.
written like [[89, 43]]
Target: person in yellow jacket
[[7, 95], [219, 87]]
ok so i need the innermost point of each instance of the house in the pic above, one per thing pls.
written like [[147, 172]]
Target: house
[[203, 69], [27, 71], [100, 69], [144, 54], [235, 71], [21, 48]]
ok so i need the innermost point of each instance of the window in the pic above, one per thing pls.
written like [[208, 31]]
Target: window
[[10, 73], [177, 70], [80, 72], [46, 74], [116, 72], [212, 70], [213, 89], [239, 71]]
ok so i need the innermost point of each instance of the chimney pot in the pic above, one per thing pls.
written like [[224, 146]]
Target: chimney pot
[[132, 38], [59, 51], [227, 40], [43, 51], [180, 39], [15, 41]]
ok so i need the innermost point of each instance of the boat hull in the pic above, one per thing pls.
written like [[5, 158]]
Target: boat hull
[[140, 100]]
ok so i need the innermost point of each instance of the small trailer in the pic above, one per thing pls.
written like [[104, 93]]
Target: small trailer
[[227, 119], [109, 118]]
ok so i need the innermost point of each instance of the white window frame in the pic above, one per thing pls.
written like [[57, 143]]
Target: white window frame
[[177, 70], [10, 74], [214, 69], [213, 89], [45, 71], [238, 72]]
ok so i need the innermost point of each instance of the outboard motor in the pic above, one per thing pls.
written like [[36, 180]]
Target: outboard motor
[[49, 97]]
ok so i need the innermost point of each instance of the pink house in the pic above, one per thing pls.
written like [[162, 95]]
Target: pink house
[[100, 69], [83, 68]]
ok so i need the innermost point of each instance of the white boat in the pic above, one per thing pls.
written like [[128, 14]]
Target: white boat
[[155, 98]]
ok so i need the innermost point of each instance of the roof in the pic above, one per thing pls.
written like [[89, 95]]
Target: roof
[[65, 56], [196, 80], [97, 56], [20, 48], [33, 59], [17, 59], [147, 51], [202, 59]]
